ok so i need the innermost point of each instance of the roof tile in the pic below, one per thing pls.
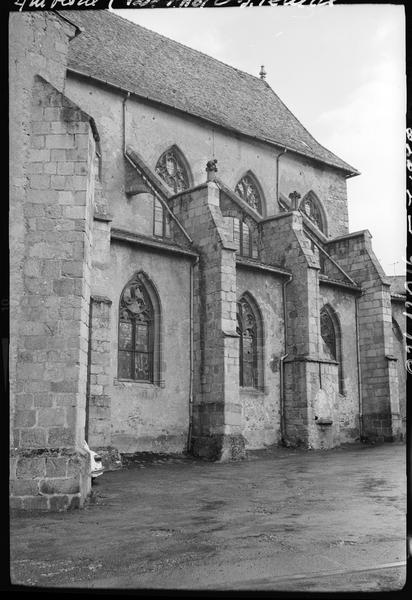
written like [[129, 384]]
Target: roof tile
[[153, 66]]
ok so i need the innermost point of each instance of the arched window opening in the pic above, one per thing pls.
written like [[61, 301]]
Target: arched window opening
[[310, 206], [248, 190], [331, 335], [172, 169], [248, 330], [242, 236], [161, 220], [136, 332]]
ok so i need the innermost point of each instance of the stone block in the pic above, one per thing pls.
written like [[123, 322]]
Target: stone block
[[56, 467], [59, 503], [30, 467], [25, 418], [33, 438], [33, 503], [24, 487], [60, 437], [51, 417], [60, 486]]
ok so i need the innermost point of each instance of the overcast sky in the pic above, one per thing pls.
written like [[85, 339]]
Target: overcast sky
[[341, 71]]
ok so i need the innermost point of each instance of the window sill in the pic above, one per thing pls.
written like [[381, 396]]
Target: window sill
[[252, 391], [143, 382]]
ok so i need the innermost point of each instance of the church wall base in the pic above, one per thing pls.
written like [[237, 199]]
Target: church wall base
[[383, 427], [49, 479], [219, 447]]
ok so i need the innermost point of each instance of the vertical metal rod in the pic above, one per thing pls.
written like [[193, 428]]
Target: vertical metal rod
[[191, 319]]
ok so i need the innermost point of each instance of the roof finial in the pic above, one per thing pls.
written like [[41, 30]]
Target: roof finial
[[262, 72], [294, 197]]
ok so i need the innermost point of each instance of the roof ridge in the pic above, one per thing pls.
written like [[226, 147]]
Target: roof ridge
[[208, 56], [151, 65]]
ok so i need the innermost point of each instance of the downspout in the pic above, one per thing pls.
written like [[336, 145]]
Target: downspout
[[124, 121], [277, 172], [282, 366], [191, 308], [361, 428]]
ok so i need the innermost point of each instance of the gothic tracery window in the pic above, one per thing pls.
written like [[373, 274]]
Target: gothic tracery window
[[248, 191], [311, 209], [248, 350], [330, 333], [171, 168], [136, 332], [327, 331]]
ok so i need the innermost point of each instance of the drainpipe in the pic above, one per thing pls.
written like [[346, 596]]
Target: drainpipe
[[361, 428], [124, 120], [191, 308], [282, 366], [277, 172]]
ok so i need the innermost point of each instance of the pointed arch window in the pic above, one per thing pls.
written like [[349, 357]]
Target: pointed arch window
[[248, 190], [172, 169], [310, 206], [331, 335], [250, 331], [137, 332]]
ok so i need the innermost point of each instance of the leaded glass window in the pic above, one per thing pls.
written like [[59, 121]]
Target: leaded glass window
[[136, 323], [310, 207], [171, 169], [248, 353], [248, 191], [327, 331], [331, 335]]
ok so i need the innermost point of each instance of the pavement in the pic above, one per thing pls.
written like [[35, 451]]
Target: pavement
[[281, 520]]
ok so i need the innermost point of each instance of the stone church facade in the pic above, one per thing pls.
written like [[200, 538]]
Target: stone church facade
[[183, 278]]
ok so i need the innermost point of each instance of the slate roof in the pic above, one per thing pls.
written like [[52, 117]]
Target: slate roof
[[150, 65]]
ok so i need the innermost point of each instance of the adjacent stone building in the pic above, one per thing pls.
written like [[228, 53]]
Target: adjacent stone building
[[182, 273]]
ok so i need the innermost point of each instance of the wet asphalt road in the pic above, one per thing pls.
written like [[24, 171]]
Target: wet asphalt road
[[281, 520]]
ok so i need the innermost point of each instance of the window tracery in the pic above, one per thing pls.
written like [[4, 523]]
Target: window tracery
[[136, 335], [170, 167], [331, 335], [248, 352], [311, 209], [327, 331], [248, 191]]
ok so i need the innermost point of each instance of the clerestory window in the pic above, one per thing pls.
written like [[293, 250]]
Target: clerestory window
[[248, 189], [172, 169]]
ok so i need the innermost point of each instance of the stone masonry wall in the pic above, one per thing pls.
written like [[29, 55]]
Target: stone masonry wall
[[399, 351], [329, 185], [99, 405], [50, 469], [217, 409], [305, 368], [38, 43], [380, 398]]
